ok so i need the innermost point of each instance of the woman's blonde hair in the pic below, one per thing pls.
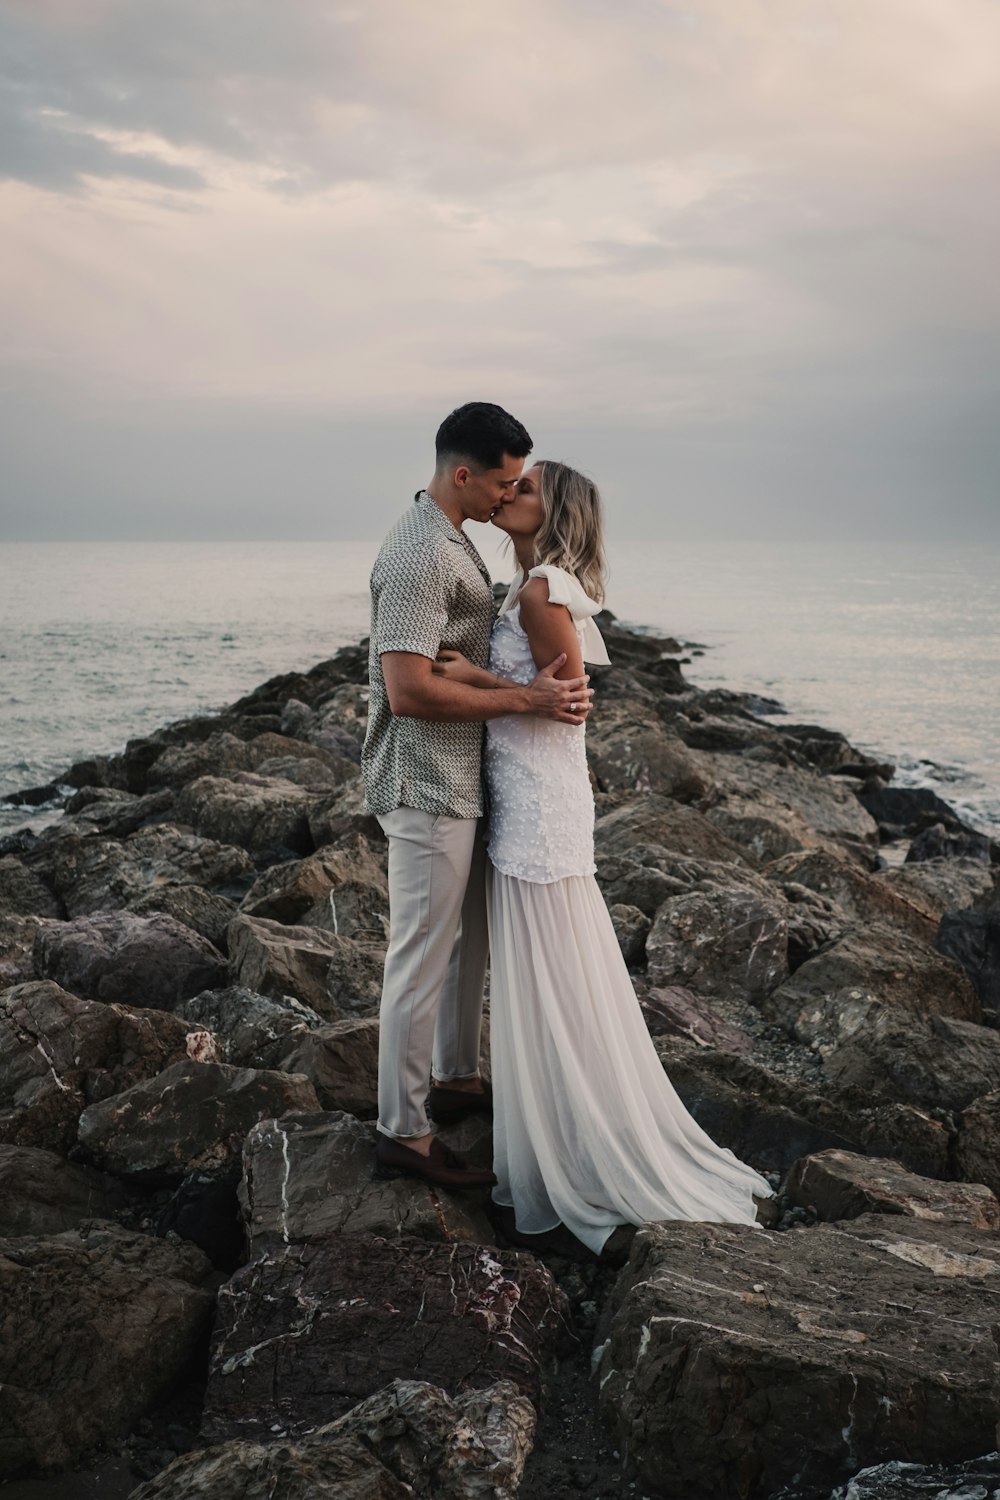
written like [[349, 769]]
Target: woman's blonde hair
[[571, 535]]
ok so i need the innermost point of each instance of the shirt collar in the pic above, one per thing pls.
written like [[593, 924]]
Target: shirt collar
[[431, 508]]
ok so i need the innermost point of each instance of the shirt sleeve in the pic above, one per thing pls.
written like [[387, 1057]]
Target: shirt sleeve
[[411, 604]]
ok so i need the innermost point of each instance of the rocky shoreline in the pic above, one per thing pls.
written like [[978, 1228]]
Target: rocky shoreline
[[205, 1290]]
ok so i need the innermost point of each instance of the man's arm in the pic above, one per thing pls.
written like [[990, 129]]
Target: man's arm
[[415, 691]]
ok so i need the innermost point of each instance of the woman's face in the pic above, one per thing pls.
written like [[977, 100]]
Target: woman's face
[[521, 516]]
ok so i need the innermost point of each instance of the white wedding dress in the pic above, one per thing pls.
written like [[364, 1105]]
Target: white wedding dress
[[588, 1129]]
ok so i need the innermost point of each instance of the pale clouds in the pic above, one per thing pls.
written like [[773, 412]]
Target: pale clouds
[[769, 226]]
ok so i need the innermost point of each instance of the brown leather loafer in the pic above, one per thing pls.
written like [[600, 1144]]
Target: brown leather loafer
[[441, 1166], [447, 1106]]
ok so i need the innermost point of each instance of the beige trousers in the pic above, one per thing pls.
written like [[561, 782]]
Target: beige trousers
[[435, 969]]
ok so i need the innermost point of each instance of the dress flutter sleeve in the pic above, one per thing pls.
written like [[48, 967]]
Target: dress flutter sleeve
[[565, 589]]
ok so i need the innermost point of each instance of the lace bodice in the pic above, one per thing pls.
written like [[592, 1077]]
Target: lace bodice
[[541, 803]]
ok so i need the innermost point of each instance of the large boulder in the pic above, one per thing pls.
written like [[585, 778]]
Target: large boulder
[[103, 874], [307, 1330], [344, 891], [96, 1326], [830, 996], [17, 948], [192, 1117], [206, 912], [972, 939], [862, 896], [307, 1175], [977, 1155], [942, 885], [629, 752], [23, 894], [340, 1059], [721, 939], [250, 810], [408, 1439], [40, 1193], [937, 1063], [655, 820], [59, 1053], [826, 806], [902, 810], [119, 957], [335, 976], [726, 1344], [844, 1185]]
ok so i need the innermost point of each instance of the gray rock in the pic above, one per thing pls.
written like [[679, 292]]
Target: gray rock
[[23, 894], [631, 927], [59, 1053], [103, 874], [861, 896], [306, 1331], [17, 948], [40, 1193], [205, 912], [630, 752], [343, 890], [720, 940], [192, 1117], [655, 819], [972, 939], [675, 1011], [251, 811], [977, 1155], [942, 885], [952, 840], [97, 1325], [336, 976], [308, 1175], [844, 1185], [830, 996], [340, 1059], [342, 815], [253, 1028], [408, 1439], [119, 957], [939, 1063], [629, 880], [726, 1344], [826, 805]]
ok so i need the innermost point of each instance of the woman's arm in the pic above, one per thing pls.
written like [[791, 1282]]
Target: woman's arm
[[550, 629]]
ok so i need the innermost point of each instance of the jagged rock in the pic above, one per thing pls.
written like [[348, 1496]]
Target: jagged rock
[[17, 948], [977, 1156], [341, 1061], [40, 1193], [762, 833], [864, 897], [117, 814], [636, 879], [306, 1331], [942, 841], [22, 894], [254, 1029], [630, 753], [59, 1053], [250, 810], [333, 975], [973, 1480], [117, 956], [843, 1185], [218, 755], [828, 998], [972, 939], [942, 885], [406, 1440], [344, 891], [631, 927], [308, 1175], [814, 923], [720, 940], [938, 1063], [675, 1011], [205, 912], [343, 815], [191, 1117], [656, 820], [96, 1326], [103, 874], [826, 805], [727, 1344], [828, 750], [901, 810], [770, 1120]]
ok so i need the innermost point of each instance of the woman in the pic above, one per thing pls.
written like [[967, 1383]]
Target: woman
[[588, 1130]]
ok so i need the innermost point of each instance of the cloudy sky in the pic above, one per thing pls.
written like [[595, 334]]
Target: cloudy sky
[[737, 258]]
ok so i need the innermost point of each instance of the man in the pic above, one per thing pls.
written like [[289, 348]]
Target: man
[[422, 771]]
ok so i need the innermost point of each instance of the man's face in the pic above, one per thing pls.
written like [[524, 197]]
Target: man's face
[[482, 492]]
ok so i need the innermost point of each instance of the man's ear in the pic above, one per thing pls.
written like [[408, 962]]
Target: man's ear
[[461, 475]]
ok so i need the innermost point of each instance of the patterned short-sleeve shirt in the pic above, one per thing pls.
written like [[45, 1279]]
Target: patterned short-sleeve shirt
[[429, 588]]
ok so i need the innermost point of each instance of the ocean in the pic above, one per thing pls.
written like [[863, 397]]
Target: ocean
[[896, 645]]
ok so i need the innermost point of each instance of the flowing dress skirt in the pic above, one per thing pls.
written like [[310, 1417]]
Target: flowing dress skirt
[[588, 1129]]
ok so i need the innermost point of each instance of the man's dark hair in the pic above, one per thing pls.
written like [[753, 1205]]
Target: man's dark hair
[[481, 433]]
